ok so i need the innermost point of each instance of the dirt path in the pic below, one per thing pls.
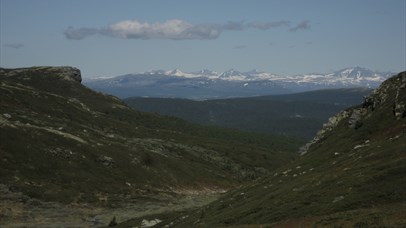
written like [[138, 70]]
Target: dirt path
[[18, 210]]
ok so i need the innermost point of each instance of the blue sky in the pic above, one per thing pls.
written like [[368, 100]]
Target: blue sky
[[107, 38]]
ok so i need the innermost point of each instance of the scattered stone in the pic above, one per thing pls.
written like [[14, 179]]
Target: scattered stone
[[339, 198], [146, 223], [394, 138], [336, 154], [63, 153], [358, 147], [8, 116]]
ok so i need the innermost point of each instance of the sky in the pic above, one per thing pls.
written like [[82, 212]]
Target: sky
[[115, 37]]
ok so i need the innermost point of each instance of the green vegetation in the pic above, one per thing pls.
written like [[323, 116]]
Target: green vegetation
[[65, 144], [300, 115], [61, 141], [350, 177]]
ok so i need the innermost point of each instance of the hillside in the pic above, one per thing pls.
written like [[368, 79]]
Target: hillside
[[350, 175], [62, 142], [300, 115]]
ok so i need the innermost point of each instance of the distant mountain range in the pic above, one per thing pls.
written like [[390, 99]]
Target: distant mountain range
[[207, 84]]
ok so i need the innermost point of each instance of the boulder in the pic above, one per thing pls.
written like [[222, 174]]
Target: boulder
[[105, 160], [355, 119], [399, 109]]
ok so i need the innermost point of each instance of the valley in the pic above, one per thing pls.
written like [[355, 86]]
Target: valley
[[350, 175], [300, 115], [70, 156], [64, 143]]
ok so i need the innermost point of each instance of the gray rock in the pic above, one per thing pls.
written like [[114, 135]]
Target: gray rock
[[149, 223], [399, 106], [106, 161], [355, 119], [327, 127], [370, 103], [8, 116], [65, 72]]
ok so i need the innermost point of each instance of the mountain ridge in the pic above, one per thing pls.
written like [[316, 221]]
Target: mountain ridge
[[208, 84], [233, 74]]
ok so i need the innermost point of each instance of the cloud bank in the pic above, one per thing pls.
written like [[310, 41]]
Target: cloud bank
[[173, 29], [15, 46]]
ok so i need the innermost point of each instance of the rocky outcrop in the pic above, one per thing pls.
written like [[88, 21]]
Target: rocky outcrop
[[399, 106], [355, 116], [69, 73], [65, 72], [355, 120], [327, 127]]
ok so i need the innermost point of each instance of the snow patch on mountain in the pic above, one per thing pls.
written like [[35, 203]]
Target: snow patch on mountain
[[232, 83]]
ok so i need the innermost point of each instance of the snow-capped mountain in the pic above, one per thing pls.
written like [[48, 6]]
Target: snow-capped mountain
[[207, 73], [206, 84]]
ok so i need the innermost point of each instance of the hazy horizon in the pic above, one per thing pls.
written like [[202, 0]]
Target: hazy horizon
[[106, 38]]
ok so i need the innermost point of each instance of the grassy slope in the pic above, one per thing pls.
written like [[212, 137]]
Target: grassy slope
[[351, 177], [57, 138], [299, 114]]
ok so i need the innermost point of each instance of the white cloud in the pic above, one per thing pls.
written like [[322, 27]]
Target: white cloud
[[172, 29]]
